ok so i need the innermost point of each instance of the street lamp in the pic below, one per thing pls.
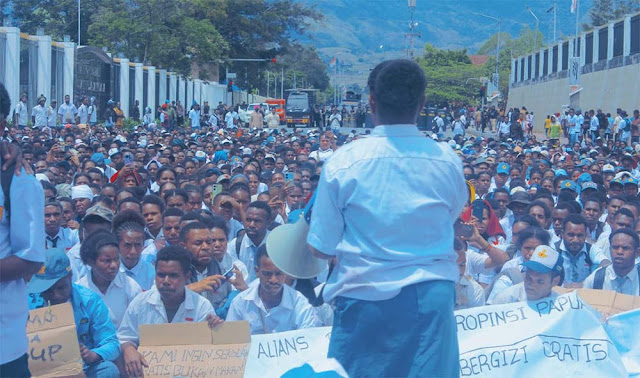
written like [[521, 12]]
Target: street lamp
[[537, 27], [78, 22], [412, 7]]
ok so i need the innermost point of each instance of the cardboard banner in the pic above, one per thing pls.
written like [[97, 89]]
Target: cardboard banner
[[277, 353], [536, 338], [606, 302], [195, 350], [53, 342]]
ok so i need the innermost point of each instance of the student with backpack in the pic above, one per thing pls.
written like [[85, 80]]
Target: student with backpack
[[623, 275]]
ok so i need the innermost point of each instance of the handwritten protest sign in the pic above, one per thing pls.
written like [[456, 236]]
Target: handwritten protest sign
[[623, 332], [606, 302], [195, 350], [53, 342], [277, 353], [535, 338]]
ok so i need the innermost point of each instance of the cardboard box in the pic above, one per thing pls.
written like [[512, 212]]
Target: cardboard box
[[53, 342], [606, 302], [193, 349]]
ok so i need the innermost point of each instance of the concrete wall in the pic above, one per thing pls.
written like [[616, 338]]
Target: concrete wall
[[607, 90]]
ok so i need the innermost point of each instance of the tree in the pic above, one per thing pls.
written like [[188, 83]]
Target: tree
[[447, 74], [604, 11]]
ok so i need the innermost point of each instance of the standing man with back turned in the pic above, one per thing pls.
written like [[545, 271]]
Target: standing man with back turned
[[393, 285]]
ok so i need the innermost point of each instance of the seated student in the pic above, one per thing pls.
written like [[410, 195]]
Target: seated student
[[468, 292], [623, 275], [96, 333], [101, 253], [205, 245], [601, 251], [96, 218], [575, 251], [128, 228], [268, 304], [171, 219], [543, 272], [527, 241], [169, 301]]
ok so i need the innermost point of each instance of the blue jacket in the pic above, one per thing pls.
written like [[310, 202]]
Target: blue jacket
[[93, 325]]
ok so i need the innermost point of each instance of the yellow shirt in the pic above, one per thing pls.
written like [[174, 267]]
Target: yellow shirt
[[547, 123]]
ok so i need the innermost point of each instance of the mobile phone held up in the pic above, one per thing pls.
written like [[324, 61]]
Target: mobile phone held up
[[464, 230], [289, 176], [128, 159], [477, 210]]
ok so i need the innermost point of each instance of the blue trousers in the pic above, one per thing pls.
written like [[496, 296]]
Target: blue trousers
[[410, 335], [105, 369]]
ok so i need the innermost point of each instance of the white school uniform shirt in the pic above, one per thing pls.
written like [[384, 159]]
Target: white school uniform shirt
[[149, 253], [628, 285], [472, 291], [143, 273], [147, 308], [353, 216], [121, 291], [83, 113], [486, 276], [321, 155], [247, 254], [78, 268], [516, 293], [293, 312], [234, 227], [64, 239], [194, 116], [40, 113], [52, 117], [23, 115], [476, 263], [68, 113]]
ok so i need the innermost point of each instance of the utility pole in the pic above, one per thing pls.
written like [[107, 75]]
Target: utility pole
[[555, 19], [78, 22], [268, 82], [412, 34], [282, 82], [535, 42], [496, 76]]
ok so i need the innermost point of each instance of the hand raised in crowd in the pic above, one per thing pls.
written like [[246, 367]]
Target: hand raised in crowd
[[213, 321], [476, 239], [13, 154], [210, 283], [89, 357], [133, 361], [277, 205], [238, 281]]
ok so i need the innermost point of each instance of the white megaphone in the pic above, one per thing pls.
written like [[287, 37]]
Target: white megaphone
[[287, 246]]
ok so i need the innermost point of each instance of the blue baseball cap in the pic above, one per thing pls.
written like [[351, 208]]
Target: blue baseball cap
[[630, 181], [97, 158], [589, 185], [585, 177], [615, 181], [56, 266], [560, 172], [570, 185], [503, 168]]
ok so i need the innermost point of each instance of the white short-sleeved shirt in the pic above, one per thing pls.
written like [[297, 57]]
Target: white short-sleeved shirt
[[83, 113], [143, 273], [247, 253], [22, 113], [121, 291], [367, 189], [40, 113], [515, 293], [293, 312], [147, 308], [476, 263], [78, 268], [470, 292], [194, 116], [629, 286], [68, 113]]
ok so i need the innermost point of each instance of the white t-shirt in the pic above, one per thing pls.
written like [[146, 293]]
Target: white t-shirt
[[40, 113], [194, 116], [22, 114], [334, 121]]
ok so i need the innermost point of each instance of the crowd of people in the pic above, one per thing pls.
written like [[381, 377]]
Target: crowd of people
[[168, 222]]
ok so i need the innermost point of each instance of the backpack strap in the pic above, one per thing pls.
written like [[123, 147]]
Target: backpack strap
[[598, 280], [588, 257], [238, 244]]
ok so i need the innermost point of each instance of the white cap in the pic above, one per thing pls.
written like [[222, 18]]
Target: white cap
[[545, 259]]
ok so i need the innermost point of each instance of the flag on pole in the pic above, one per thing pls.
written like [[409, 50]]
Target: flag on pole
[[333, 62], [573, 6]]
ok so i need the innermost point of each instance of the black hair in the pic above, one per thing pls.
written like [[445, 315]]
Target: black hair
[[533, 232], [155, 200], [5, 102], [576, 219], [190, 188], [240, 186], [593, 198], [172, 212], [567, 205], [399, 87], [221, 223], [501, 190], [459, 244], [547, 212], [104, 199], [176, 193], [132, 200], [68, 200], [53, 203], [175, 253], [90, 247], [629, 232], [127, 220], [528, 219], [191, 226], [46, 185], [625, 212], [263, 206], [262, 252], [165, 168]]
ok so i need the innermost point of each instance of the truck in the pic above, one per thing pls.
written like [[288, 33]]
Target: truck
[[299, 107]]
